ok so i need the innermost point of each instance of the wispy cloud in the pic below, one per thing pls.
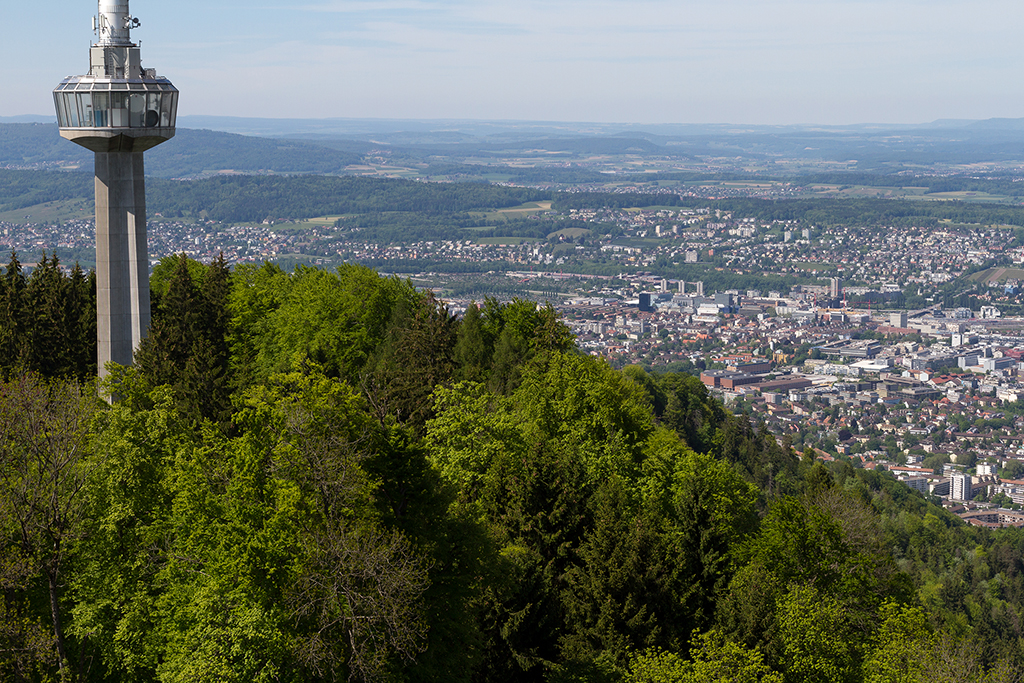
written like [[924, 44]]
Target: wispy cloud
[[668, 60]]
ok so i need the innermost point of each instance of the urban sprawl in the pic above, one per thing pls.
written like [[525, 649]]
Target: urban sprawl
[[837, 366]]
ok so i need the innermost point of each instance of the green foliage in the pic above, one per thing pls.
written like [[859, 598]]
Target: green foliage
[[518, 331], [415, 356], [529, 463], [324, 476], [187, 346], [708, 510], [714, 660], [576, 483], [619, 596], [828, 541], [45, 464], [165, 271], [193, 152], [1014, 469], [657, 666], [14, 340], [29, 188], [590, 408], [900, 646], [337, 320], [472, 350], [262, 556], [690, 410], [47, 321], [255, 198], [816, 638], [196, 152], [256, 294]]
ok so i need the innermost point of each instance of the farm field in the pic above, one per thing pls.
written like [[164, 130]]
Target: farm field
[[997, 275]]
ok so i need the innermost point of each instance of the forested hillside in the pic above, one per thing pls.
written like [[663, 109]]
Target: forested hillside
[[254, 198], [192, 153], [386, 209], [195, 152], [324, 476], [37, 143]]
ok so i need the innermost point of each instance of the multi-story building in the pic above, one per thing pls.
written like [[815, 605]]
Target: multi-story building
[[960, 486]]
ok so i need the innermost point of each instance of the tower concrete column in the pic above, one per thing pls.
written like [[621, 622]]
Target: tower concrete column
[[122, 262]]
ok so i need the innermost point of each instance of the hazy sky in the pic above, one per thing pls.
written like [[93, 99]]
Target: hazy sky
[[645, 61]]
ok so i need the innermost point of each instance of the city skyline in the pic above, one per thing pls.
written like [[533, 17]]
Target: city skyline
[[833, 62]]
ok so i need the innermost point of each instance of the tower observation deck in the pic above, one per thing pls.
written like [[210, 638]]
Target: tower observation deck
[[118, 110]]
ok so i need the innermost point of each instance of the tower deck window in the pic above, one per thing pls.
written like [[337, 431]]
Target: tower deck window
[[107, 104]]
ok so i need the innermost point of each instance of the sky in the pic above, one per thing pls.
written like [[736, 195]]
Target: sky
[[616, 61]]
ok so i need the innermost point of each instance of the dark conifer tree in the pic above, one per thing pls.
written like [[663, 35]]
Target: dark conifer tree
[[416, 356], [82, 322], [187, 344], [619, 596], [6, 330], [13, 340], [49, 324], [510, 352], [47, 321], [165, 350], [472, 352], [206, 377]]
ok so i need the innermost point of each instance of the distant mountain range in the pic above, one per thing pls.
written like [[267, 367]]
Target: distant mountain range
[[466, 128], [211, 144], [28, 118], [876, 147]]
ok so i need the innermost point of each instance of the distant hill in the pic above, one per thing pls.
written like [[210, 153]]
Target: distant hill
[[27, 118], [33, 144], [194, 152], [234, 198], [190, 153], [997, 124]]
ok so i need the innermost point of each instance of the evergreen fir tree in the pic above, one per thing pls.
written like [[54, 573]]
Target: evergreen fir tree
[[176, 319], [472, 352], [206, 377], [187, 345], [48, 325], [415, 357], [13, 341], [81, 322]]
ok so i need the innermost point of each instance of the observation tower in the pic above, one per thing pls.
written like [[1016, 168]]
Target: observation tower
[[118, 110]]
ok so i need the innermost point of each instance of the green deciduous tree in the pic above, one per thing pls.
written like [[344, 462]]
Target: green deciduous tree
[[714, 659], [336, 319], [299, 548], [45, 462], [900, 646], [830, 542], [816, 638]]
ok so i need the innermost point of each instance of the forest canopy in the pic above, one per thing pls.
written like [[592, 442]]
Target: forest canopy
[[325, 475]]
